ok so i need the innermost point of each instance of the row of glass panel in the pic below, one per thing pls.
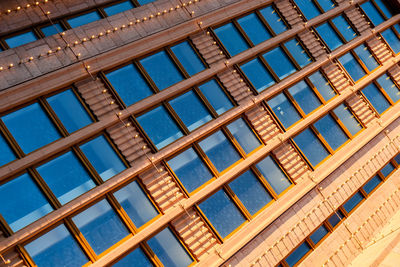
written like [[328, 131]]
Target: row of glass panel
[[60, 25], [330, 224]]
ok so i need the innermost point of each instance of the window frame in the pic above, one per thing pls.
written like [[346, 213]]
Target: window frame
[[317, 5], [378, 9]]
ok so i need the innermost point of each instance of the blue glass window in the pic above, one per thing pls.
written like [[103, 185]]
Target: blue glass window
[[83, 19], [397, 159], [320, 233], [66, 177], [31, 127], [254, 28], [372, 184], [216, 96], [383, 7], [190, 110], [273, 19], [250, 192], [326, 4], [335, 218], [279, 62], [350, 204], [143, 2], [219, 150], [311, 147], [257, 74], [56, 248], [232, 40], [136, 204], [376, 98], [190, 170], [101, 226], [6, 154], [297, 51], [243, 134], [160, 127], [366, 57], [69, 110], [162, 70], [20, 39], [344, 28], [222, 213], [52, 29], [392, 40], [387, 169], [331, 131], [330, 37], [25, 203], [284, 110], [129, 84], [118, 8], [352, 66], [135, 258], [348, 119], [273, 174], [297, 254], [103, 157], [374, 16], [390, 88], [308, 8], [188, 58], [305, 97], [322, 85]]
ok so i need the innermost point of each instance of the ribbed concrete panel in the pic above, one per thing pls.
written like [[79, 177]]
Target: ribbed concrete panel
[[195, 233], [357, 19], [12, 258], [235, 85], [311, 42], [291, 161], [379, 48], [289, 12], [336, 76], [362, 109], [394, 72], [208, 48], [162, 187], [263, 123]]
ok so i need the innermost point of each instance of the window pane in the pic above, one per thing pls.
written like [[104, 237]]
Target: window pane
[[352, 66], [162, 70], [143, 2], [136, 258], [344, 28], [376, 98], [160, 127], [231, 39], [6, 154], [222, 213], [103, 157], [216, 96], [298, 52], [273, 19], [190, 110], [387, 169], [331, 131], [392, 40], [348, 119], [52, 29], [118, 8], [319, 234], [220, 151], [136, 204], [279, 62], [250, 192], [326, 4], [383, 6], [366, 57], [69, 110], [25, 203], [244, 135], [188, 58], [273, 174], [168, 249], [254, 28], [336, 218], [20, 39], [101, 226], [322, 85], [311, 147], [372, 184], [284, 110], [66, 177], [305, 97], [129, 84], [190, 170], [83, 19], [372, 13], [257, 74], [298, 253], [308, 8], [350, 204], [397, 159], [31, 127], [390, 88], [330, 37], [56, 248]]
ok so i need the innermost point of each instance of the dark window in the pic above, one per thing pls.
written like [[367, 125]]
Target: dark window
[[52, 29], [118, 8], [83, 19], [335, 218], [20, 39], [320, 233], [298, 253], [350, 204], [372, 184], [387, 169]]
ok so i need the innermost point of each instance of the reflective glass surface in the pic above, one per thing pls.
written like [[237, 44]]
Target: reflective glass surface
[[243, 134], [382, 4], [279, 62], [330, 37], [397, 159], [6, 154], [52, 29], [372, 184], [331, 131], [25, 202], [352, 66], [254, 28], [118, 8], [190, 170], [372, 13], [143, 2], [162, 70], [348, 119], [344, 28], [31, 127], [129, 84], [322, 85], [273, 19], [273, 174], [308, 8], [376, 98], [83, 19], [319, 234], [326, 4], [100, 226], [56, 248], [136, 258], [387, 169], [298, 52], [392, 40], [219, 150], [66, 177], [350, 204], [305, 97], [231, 39], [222, 213], [336, 218], [366, 57], [188, 58], [284, 110], [216, 96], [160, 127], [390, 88], [136, 204], [20, 39], [257, 74], [298, 253], [311, 147], [103, 157]]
